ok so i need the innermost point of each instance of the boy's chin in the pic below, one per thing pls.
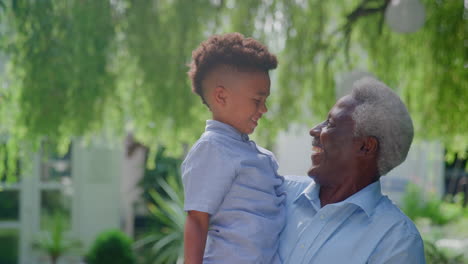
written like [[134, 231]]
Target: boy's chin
[[247, 129], [250, 131]]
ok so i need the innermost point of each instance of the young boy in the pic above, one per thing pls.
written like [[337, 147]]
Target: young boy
[[232, 190]]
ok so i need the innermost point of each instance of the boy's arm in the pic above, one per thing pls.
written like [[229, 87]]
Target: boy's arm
[[196, 229]]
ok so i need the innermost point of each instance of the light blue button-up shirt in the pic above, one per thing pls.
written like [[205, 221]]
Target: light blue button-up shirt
[[365, 228], [228, 176]]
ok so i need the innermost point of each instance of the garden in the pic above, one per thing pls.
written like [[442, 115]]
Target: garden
[[77, 72]]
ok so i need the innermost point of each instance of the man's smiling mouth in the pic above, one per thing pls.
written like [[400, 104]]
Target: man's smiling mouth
[[317, 149]]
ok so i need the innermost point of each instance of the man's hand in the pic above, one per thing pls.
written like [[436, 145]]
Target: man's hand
[[196, 229]]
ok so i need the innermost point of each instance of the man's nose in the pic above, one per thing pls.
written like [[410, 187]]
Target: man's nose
[[315, 131]]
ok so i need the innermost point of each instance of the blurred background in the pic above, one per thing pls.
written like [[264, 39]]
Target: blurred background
[[96, 113]]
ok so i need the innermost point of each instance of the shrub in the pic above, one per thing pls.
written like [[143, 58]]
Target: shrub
[[111, 247], [440, 212], [435, 255]]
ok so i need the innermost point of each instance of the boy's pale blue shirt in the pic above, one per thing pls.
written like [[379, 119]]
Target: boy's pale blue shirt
[[365, 228], [228, 176]]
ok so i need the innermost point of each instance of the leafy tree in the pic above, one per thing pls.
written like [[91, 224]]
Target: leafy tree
[[427, 68], [78, 68]]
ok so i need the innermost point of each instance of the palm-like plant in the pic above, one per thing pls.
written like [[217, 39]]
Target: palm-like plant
[[54, 240], [166, 243]]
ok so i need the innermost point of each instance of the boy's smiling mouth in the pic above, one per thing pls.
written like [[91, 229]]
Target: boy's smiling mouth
[[255, 120]]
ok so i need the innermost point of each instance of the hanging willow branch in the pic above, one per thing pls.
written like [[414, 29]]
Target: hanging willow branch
[[423, 67], [344, 32], [83, 68]]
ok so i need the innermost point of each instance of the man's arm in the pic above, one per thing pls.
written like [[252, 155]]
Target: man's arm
[[196, 229]]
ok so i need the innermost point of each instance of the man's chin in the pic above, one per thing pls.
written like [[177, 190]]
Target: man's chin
[[313, 170], [311, 173], [314, 174]]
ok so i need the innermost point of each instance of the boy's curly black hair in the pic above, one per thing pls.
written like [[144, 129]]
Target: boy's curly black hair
[[232, 49]]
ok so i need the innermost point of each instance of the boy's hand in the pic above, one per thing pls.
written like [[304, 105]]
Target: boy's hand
[[196, 229]]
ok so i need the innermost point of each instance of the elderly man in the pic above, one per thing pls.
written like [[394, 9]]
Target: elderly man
[[340, 215]]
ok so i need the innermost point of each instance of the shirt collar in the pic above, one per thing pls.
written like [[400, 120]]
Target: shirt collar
[[366, 198], [225, 129], [311, 193]]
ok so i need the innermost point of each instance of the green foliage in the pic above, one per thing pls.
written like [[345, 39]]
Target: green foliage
[[440, 212], [435, 255], [306, 65], [9, 239], [59, 58], [456, 231], [427, 68], [437, 219], [158, 38], [111, 247], [9, 205], [165, 167], [57, 82], [54, 240], [81, 68], [9, 162], [165, 244]]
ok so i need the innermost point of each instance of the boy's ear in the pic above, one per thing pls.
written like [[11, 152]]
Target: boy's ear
[[220, 95]]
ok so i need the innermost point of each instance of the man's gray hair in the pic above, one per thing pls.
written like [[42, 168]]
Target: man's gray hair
[[381, 113]]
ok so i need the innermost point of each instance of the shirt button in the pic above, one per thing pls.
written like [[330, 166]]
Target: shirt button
[[322, 216], [302, 246]]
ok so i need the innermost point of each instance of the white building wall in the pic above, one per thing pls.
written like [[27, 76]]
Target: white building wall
[[96, 174]]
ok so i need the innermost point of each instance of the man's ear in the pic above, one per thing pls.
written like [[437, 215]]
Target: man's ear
[[369, 146], [220, 95]]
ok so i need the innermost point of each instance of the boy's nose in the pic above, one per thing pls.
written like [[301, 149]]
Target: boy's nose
[[263, 108]]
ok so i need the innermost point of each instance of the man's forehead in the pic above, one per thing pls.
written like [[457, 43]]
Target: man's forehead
[[343, 108], [346, 100]]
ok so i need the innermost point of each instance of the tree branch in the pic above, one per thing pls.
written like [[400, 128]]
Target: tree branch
[[363, 10]]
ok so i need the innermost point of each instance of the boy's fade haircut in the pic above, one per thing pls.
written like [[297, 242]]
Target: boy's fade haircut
[[232, 50]]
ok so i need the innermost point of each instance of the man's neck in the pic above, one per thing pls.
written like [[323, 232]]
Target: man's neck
[[340, 192]]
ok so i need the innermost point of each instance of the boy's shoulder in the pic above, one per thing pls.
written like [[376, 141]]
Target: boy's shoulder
[[204, 143], [208, 145], [209, 140], [215, 143]]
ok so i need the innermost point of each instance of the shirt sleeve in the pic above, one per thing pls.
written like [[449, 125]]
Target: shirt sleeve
[[207, 175], [399, 248]]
